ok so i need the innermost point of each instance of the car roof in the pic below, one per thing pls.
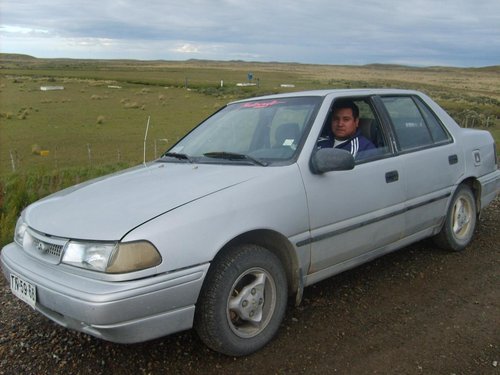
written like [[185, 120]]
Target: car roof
[[336, 92]]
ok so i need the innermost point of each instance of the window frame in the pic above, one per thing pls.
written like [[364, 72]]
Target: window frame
[[306, 129]]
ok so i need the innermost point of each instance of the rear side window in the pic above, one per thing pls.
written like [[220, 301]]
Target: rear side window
[[436, 128], [414, 124]]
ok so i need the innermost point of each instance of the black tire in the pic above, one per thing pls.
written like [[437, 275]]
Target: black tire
[[460, 221], [242, 302]]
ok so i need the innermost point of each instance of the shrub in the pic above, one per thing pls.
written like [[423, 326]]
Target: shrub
[[35, 149], [100, 119], [130, 105]]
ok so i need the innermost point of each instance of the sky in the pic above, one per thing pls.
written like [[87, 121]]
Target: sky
[[462, 33]]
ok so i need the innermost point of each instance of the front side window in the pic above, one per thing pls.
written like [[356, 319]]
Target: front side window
[[414, 124], [353, 125], [266, 131]]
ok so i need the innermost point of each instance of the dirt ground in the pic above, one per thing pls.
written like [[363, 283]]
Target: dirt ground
[[417, 311]]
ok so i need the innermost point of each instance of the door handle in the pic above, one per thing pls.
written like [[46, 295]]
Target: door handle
[[391, 176]]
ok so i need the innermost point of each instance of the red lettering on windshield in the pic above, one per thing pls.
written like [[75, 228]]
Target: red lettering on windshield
[[261, 104]]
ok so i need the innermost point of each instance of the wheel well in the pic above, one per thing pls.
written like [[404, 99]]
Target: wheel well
[[476, 190], [279, 246]]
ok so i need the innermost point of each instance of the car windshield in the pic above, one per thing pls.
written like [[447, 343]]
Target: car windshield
[[260, 132]]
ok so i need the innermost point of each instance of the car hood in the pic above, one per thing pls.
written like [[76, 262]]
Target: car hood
[[107, 208]]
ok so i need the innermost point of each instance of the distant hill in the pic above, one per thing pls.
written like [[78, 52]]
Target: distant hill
[[492, 68], [16, 57]]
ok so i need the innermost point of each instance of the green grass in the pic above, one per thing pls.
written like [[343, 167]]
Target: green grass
[[89, 123]]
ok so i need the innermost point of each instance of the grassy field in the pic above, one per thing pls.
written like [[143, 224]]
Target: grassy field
[[90, 123], [96, 124], [100, 116]]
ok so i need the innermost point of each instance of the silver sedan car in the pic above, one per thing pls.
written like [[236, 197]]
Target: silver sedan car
[[264, 198]]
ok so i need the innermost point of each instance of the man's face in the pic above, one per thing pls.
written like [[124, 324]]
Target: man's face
[[344, 124]]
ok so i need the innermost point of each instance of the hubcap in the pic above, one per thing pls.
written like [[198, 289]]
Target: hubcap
[[251, 302], [462, 213]]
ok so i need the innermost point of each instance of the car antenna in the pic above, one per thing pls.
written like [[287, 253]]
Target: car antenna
[[145, 138]]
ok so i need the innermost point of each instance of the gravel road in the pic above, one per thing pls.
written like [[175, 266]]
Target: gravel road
[[417, 311]]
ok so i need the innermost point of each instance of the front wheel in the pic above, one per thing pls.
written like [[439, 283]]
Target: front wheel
[[460, 221], [242, 302]]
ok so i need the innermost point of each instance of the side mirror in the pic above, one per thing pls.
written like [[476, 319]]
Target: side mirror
[[331, 159]]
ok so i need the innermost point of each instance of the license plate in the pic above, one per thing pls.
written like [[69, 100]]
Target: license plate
[[23, 290]]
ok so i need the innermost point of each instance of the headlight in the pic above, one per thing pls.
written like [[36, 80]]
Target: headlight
[[20, 230], [111, 257], [91, 255]]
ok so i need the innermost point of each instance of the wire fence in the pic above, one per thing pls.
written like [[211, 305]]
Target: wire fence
[[473, 119], [86, 154], [80, 155]]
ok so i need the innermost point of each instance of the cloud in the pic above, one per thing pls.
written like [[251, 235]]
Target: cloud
[[457, 32], [90, 42], [21, 30], [187, 48]]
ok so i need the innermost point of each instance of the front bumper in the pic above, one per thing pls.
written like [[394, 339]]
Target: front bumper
[[117, 311]]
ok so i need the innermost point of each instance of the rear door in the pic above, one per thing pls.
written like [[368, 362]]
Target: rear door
[[430, 161]]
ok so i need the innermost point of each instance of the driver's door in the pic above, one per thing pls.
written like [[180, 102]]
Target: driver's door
[[354, 212]]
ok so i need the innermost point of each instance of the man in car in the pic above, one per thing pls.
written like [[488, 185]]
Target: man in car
[[345, 134]]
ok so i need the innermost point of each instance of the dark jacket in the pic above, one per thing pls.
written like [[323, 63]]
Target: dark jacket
[[356, 144]]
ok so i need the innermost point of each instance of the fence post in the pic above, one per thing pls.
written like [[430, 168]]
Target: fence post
[[13, 163], [89, 151]]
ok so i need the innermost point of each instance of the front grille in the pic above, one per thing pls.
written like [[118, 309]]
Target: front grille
[[43, 247], [48, 248]]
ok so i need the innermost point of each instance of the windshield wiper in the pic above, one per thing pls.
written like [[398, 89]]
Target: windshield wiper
[[177, 156], [235, 156]]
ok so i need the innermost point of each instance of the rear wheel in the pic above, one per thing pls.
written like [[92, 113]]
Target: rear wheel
[[460, 221], [242, 302]]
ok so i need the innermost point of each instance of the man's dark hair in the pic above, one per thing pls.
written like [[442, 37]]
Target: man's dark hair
[[344, 103]]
